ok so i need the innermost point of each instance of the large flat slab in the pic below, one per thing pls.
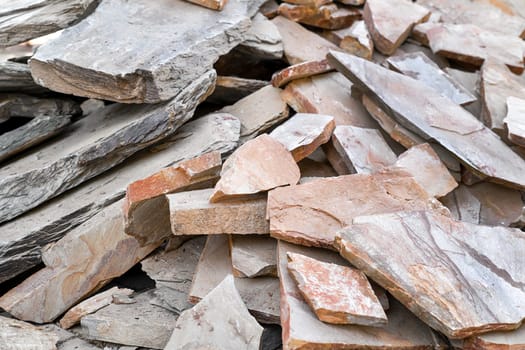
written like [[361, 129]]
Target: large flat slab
[[431, 257], [152, 52], [93, 145], [434, 117], [18, 335]]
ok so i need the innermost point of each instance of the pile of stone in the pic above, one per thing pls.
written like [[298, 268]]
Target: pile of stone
[[308, 174]]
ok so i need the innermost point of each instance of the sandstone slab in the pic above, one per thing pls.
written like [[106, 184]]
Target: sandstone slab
[[18, 335], [253, 256], [355, 39], [328, 16], [300, 70], [219, 321], [515, 120], [422, 270]]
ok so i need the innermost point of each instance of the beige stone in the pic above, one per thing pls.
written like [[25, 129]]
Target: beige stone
[[253, 256], [212, 4], [18, 335], [515, 120], [355, 39]]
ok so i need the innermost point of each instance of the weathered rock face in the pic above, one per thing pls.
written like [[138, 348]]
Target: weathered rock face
[[390, 22], [146, 211], [311, 213], [304, 133], [263, 39], [28, 19], [337, 294], [259, 165], [18, 335], [302, 329], [355, 39], [92, 146], [253, 256], [300, 70], [21, 105], [219, 321], [328, 16], [515, 120], [418, 66], [22, 238], [423, 270], [16, 76], [436, 117], [87, 258], [191, 213], [173, 52], [494, 341]]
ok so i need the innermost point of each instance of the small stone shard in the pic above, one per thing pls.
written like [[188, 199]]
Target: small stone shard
[[219, 321], [515, 120], [259, 165], [253, 256], [229, 89], [390, 22], [191, 213], [300, 70], [355, 40], [304, 133], [328, 16], [337, 294], [211, 4], [432, 255], [263, 39], [18, 335]]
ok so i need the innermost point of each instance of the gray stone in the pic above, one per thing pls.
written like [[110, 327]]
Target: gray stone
[[17, 77], [263, 39], [253, 256]]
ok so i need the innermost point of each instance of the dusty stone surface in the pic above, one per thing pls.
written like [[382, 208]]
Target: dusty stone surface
[[253, 256], [261, 294], [146, 211], [390, 22], [93, 145], [300, 70], [328, 16], [79, 264], [219, 321], [364, 151], [303, 133], [310, 214], [18, 335], [468, 139], [263, 39], [302, 329], [422, 270], [471, 81], [145, 61], [259, 165], [515, 120], [337, 294], [191, 213], [212, 4]]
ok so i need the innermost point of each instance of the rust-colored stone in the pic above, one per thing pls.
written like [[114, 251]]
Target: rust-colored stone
[[300, 70], [211, 4]]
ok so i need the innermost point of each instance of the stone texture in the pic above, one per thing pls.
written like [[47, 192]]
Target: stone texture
[[263, 39], [260, 294], [146, 210], [253, 256], [28, 19], [337, 294], [328, 16], [138, 324], [79, 264], [471, 81], [17, 77], [303, 133], [418, 66], [470, 141], [311, 168], [212, 4], [259, 165], [191, 213], [515, 120], [229, 89], [22, 238], [92, 146], [303, 330], [364, 151], [310, 214], [390, 22], [18, 335], [300, 70], [355, 39], [21, 105], [259, 111], [432, 255], [145, 61], [219, 321], [90, 305], [300, 44], [513, 340]]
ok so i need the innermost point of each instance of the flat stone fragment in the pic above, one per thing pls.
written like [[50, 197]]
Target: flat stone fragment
[[260, 294], [219, 321], [259, 165], [144, 61], [17, 77], [512, 340], [328, 16], [79, 264], [337, 294], [312, 3], [435, 117], [253, 256], [138, 324], [364, 151], [352, 2], [28, 19], [91, 146], [470, 44], [328, 94], [300, 70], [21, 105], [390, 22], [515, 120], [355, 39], [23, 238], [300, 44], [146, 210], [191, 213], [212, 4], [418, 66], [431, 257], [310, 214], [90, 305], [302, 329], [303, 133], [229, 89], [18, 335], [471, 81], [259, 111], [263, 39]]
